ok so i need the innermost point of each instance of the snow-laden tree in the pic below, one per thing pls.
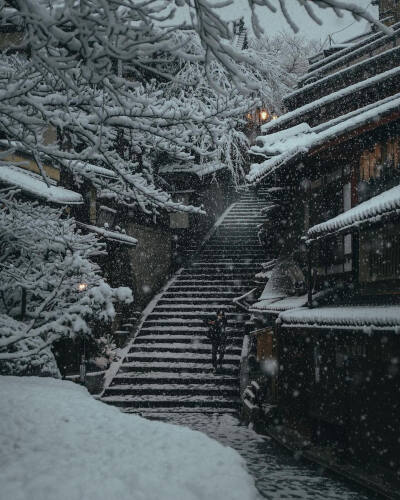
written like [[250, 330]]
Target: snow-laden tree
[[95, 74], [292, 51], [49, 286]]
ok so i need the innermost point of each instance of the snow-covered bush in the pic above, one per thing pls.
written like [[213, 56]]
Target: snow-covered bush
[[49, 286]]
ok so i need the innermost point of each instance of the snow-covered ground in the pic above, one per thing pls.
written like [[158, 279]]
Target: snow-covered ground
[[58, 443]]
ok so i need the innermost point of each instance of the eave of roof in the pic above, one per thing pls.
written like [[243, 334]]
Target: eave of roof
[[34, 184], [331, 98], [312, 141], [384, 204], [276, 306], [344, 71], [342, 56], [367, 318]]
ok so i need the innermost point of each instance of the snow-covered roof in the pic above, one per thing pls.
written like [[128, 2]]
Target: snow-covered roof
[[372, 63], [275, 296], [347, 53], [323, 101], [345, 317], [276, 306], [35, 185], [368, 211], [292, 144], [199, 169], [111, 235]]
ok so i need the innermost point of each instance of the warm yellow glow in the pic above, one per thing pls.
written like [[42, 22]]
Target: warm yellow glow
[[263, 115], [274, 117], [82, 287], [249, 116]]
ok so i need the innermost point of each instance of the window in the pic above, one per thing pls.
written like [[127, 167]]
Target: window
[[380, 254]]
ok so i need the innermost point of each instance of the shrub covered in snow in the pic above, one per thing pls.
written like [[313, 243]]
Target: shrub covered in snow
[[49, 286], [58, 443]]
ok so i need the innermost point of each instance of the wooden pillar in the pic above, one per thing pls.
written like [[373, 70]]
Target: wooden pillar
[[309, 273]]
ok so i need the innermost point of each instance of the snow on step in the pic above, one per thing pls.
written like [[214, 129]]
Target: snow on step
[[167, 368]]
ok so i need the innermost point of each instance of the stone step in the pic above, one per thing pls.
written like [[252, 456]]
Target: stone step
[[184, 330], [176, 357], [207, 288], [172, 401], [173, 390], [216, 281], [182, 349], [172, 378], [231, 316], [210, 295], [188, 339], [198, 300], [201, 308], [229, 369], [190, 324], [219, 273]]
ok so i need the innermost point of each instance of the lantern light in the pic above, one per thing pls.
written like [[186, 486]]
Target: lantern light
[[82, 287], [263, 115]]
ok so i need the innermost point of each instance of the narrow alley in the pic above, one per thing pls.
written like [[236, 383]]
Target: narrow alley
[[166, 373]]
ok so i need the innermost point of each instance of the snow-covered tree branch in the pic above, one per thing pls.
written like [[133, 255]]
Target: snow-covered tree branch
[[99, 73]]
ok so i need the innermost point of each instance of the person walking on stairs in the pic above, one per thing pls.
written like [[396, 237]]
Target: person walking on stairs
[[217, 335]]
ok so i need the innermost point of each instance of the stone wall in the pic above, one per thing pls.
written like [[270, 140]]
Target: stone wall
[[150, 261]]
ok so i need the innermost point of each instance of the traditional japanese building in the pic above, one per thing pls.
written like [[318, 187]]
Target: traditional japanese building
[[335, 157]]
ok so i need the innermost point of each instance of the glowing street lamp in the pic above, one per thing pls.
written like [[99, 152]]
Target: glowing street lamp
[[263, 115], [82, 287]]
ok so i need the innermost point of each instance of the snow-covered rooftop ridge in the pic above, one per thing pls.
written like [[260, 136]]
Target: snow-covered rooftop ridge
[[355, 317], [291, 144], [341, 56], [343, 71], [111, 235], [383, 203], [199, 169], [35, 185], [347, 91]]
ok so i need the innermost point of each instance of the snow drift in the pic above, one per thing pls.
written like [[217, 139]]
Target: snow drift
[[57, 442]]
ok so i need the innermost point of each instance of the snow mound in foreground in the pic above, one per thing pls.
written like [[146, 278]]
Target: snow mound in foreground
[[58, 443]]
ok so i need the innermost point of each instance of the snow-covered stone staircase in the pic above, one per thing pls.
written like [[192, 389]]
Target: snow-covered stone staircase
[[167, 367]]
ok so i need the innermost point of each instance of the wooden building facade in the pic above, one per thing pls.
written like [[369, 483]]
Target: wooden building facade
[[338, 348]]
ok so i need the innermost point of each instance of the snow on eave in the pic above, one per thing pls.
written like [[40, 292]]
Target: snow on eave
[[330, 98], [313, 138], [368, 211], [366, 318], [110, 235], [34, 184], [332, 76], [365, 45], [276, 306]]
